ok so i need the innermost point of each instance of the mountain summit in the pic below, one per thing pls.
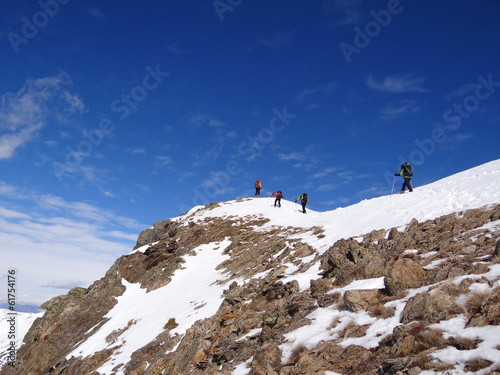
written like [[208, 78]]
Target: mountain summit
[[404, 284]]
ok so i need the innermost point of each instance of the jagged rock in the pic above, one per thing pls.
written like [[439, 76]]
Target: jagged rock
[[408, 273], [430, 308], [394, 235], [394, 366], [356, 300], [412, 227], [68, 319], [353, 357], [161, 230], [488, 312], [496, 253]]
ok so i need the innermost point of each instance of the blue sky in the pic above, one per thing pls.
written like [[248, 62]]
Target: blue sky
[[116, 114]]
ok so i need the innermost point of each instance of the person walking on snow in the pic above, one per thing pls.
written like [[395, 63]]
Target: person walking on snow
[[278, 194], [258, 186], [303, 200], [407, 174]]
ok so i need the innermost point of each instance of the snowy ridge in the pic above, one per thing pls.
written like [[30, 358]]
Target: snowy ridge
[[195, 291], [474, 188]]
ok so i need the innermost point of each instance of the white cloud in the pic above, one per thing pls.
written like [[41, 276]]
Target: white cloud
[[326, 172], [198, 119], [52, 204], [216, 123], [47, 252], [175, 48], [231, 134], [162, 161], [462, 91], [292, 156], [64, 284], [56, 244], [328, 187], [96, 13], [397, 83], [24, 113], [9, 214], [309, 93], [393, 110], [138, 151]]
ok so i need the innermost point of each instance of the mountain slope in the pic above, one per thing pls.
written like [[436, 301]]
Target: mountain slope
[[243, 287]]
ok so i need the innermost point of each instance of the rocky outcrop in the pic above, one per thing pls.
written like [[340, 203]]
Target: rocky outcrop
[[256, 316]]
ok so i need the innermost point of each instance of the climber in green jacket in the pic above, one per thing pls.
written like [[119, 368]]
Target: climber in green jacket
[[303, 199], [407, 173]]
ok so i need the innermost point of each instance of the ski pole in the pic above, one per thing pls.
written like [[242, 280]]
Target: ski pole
[[393, 182]]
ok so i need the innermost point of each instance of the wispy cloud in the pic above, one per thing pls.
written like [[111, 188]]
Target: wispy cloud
[[393, 110], [326, 172], [328, 187], [162, 161], [453, 142], [201, 119], [175, 48], [198, 119], [10, 214], [75, 241], [461, 91], [96, 13], [310, 96], [53, 204], [215, 123], [24, 113], [136, 151], [291, 156], [64, 284], [73, 253], [398, 83]]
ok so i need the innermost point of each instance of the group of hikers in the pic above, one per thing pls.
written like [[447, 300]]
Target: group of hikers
[[278, 195], [406, 172]]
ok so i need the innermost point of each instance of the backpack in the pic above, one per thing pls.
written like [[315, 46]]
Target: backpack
[[258, 184], [407, 169], [279, 194], [304, 197]]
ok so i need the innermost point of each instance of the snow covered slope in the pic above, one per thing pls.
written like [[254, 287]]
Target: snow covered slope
[[473, 188], [195, 290], [23, 324]]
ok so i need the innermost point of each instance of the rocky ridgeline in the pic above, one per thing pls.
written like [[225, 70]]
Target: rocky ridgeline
[[217, 344]]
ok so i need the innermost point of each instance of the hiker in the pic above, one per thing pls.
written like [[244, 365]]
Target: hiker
[[258, 186], [278, 194], [407, 174], [303, 199]]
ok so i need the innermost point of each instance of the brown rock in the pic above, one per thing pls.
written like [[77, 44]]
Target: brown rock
[[356, 300], [430, 308], [408, 273], [496, 253]]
